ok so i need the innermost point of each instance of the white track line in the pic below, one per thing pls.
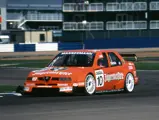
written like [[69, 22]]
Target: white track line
[[15, 94], [1, 96]]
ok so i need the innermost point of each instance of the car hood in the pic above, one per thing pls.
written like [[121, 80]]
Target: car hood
[[60, 71]]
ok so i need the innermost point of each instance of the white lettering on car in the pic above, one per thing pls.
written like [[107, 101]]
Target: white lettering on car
[[62, 84], [64, 89], [115, 76], [101, 77], [86, 53], [57, 73]]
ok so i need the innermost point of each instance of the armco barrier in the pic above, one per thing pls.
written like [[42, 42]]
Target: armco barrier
[[24, 47], [6, 47], [69, 46], [121, 43]]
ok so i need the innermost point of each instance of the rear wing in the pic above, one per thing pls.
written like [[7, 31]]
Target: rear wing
[[130, 57]]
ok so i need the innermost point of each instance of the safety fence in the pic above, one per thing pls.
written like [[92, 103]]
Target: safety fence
[[88, 44]]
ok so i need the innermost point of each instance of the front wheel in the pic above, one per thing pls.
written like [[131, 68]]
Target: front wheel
[[129, 83], [90, 85]]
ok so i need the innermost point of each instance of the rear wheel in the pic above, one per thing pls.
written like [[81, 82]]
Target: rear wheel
[[129, 83], [90, 85]]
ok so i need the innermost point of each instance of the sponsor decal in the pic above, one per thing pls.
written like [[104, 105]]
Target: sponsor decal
[[101, 77], [62, 85], [78, 84], [115, 76], [85, 53], [64, 89], [53, 72]]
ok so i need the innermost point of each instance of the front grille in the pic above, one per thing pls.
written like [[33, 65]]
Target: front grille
[[46, 78], [40, 84], [41, 78], [53, 84]]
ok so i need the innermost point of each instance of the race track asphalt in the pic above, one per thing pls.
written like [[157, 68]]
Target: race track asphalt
[[143, 104]]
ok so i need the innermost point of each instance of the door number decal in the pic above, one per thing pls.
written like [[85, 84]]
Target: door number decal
[[99, 78]]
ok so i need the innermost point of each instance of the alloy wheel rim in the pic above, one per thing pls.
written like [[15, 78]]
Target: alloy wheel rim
[[130, 82], [90, 84]]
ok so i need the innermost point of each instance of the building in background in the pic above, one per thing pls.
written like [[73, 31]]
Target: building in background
[[35, 15], [78, 20], [105, 19], [3, 13]]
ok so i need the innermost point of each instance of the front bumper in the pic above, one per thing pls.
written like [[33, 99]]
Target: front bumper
[[59, 87]]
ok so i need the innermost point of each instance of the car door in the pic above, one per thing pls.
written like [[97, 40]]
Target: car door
[[116, 71], [101, 72]]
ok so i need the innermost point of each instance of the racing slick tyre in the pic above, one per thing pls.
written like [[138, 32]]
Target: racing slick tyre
[[90, 85], [129, 83]]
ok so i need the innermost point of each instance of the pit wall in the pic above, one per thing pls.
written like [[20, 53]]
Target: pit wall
[[89, 44]]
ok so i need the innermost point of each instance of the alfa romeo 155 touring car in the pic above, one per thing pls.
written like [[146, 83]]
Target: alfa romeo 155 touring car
[[84, 71]]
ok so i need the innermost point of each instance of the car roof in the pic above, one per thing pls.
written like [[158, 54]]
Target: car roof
[[90, 50]]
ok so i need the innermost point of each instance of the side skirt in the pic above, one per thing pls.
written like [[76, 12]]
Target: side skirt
[[110, 91]]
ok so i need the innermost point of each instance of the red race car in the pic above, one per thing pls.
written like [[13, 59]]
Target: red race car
[[84, 71]]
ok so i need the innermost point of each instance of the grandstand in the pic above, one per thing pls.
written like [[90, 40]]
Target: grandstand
[[77, 20]]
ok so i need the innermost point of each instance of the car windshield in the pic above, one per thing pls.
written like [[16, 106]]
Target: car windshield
[[73, 59]]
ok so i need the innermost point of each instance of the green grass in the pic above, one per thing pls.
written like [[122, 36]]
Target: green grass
[[43, 63], [7, 88], [147, 65]]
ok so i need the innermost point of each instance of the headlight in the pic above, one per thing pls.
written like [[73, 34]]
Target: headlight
[[34, 78], [65, 79]]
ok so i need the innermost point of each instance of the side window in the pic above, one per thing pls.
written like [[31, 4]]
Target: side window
[[103, 61], [114, 60]]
